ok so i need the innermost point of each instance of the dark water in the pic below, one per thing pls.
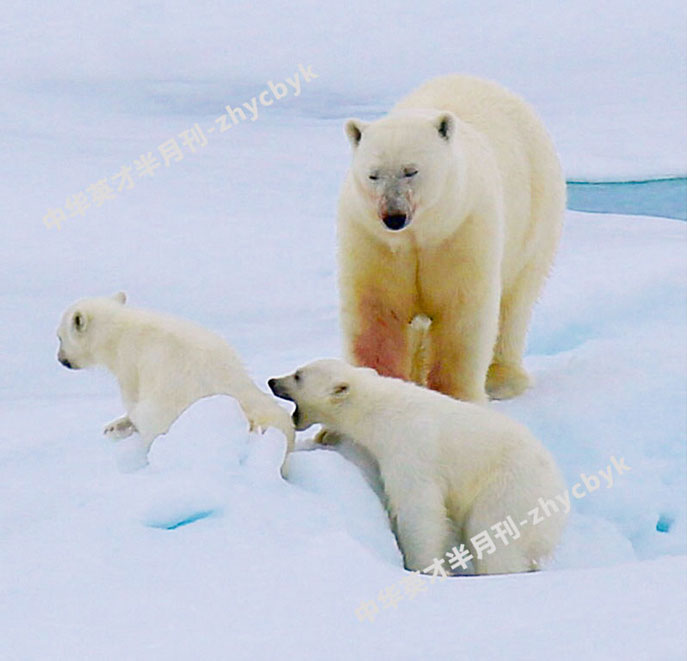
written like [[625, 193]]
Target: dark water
[[657, 197]]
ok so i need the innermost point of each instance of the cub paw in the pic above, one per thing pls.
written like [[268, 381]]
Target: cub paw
[[262, 418], [327, 437], [259, 423], [119, 428]]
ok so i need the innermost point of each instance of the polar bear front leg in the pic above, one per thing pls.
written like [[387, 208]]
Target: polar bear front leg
[[263, 413], [462, 346], [380, 339], [422, 527], [378, 301], [151, 420], [463, 289], [133, 455]]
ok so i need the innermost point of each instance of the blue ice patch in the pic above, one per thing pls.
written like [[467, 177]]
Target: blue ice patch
[[654, 197], [664, 523]]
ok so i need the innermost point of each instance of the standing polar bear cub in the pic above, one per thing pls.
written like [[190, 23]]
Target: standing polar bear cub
[[450, 215], [451, 470], [163, 365]]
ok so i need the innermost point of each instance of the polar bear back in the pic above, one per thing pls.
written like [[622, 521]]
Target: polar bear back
[[166, 346], [458, 443]]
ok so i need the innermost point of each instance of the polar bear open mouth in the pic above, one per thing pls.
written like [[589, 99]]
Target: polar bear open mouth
[[395, 221], [296, 417], [280, 391]]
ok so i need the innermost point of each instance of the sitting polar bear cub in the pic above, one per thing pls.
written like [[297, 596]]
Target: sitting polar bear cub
[[163, 365], [450, 468]]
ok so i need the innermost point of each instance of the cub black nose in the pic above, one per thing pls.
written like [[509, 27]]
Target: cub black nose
[[395, 221], [279, 390], [65, 362]]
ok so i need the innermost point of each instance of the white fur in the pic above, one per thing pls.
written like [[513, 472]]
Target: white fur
[[163, 365], [450, 469], [474, 170]]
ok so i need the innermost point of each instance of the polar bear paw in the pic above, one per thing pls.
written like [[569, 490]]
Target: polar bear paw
[[119, 428], [259, 422], [260, 419], [327, 437], [505, 380]]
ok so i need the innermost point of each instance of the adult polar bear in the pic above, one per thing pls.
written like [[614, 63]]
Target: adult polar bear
[[450, 215]]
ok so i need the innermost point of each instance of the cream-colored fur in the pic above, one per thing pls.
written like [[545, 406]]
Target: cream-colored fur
[[470, 171], [451, 469], [163, 365]]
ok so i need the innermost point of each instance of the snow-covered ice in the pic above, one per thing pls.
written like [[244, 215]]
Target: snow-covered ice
[[207, 553]]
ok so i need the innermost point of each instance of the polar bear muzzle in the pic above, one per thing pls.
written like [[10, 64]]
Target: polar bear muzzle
[[280, 389], [396, 221], [63, 360]]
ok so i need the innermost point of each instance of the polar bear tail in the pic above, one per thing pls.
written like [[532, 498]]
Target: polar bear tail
[[418, 342]]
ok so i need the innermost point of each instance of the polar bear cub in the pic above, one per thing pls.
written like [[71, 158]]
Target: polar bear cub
[[163, 365], [451, 469]]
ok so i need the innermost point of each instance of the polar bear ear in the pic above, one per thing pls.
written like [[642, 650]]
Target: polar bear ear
[[354, 130], [340, 391], [445, 125], [120, 297]]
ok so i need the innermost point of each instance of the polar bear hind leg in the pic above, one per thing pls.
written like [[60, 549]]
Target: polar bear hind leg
[[506, 376], [490, 508]]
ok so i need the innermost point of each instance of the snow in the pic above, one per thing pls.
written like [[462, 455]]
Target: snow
[[608, 78], [207, 553]]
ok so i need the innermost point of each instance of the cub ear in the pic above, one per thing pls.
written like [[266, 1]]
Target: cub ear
[[79, 321], [354, 131], [445, 124], [120, 297], [340, 392]]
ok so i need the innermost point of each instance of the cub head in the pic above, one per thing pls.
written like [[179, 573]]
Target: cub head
[[402, 164], [320, 391], [81, 330]]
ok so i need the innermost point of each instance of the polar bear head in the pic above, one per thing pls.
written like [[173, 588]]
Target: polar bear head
[[404, 166], [83, 330], [322, 391]]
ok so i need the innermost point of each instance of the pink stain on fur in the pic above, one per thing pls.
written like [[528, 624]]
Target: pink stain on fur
[[381, 343], [434, 379]]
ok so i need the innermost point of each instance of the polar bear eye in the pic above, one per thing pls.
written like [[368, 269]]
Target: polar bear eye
[[410, 172], [297, 376], [374, 176], [79, 322]]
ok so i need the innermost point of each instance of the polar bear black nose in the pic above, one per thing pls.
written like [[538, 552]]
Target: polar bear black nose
[[278, 389], [395, 221], [65, 362]]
